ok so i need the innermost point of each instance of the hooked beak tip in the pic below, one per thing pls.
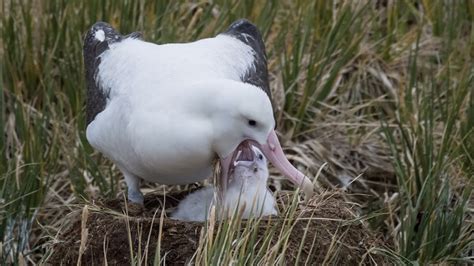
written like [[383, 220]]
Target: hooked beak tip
[[308, 189]]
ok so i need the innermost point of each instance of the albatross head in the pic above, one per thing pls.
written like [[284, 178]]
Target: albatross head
[[242, 117]]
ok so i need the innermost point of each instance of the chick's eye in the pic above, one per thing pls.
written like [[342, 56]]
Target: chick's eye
[[252, 123]]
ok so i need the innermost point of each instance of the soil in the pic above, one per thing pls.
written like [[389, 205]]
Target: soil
[[108, 239]]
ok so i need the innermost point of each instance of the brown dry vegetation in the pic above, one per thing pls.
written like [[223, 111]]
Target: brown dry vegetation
[[373, 98], [327, 224]]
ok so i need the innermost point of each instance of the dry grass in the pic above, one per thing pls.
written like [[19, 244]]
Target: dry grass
[[379, 92], [325, 229]]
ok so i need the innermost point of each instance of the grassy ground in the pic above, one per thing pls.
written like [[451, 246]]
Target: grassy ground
[[381, 91]]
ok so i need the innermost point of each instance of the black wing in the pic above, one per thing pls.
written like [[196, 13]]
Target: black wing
[[93, 47], [248, 33]]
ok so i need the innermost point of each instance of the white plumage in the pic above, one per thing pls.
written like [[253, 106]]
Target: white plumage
[[247, 193]]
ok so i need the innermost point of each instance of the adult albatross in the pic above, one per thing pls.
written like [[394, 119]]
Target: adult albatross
[[163, 113]]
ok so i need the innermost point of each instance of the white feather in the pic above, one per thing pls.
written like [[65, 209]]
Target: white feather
[[146, 66], [100, 35], [160, 120], [247, 193]]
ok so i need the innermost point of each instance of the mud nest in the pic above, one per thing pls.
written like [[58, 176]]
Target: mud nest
[[109, 233]]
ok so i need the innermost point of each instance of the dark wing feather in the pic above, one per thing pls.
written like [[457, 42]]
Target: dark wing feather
[[249, 34], [93, 48]]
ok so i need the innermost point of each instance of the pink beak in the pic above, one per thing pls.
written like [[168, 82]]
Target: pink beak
[[274, 153]]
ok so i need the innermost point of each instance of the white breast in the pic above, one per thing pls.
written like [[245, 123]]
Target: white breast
[[254, 200], [153, 145]]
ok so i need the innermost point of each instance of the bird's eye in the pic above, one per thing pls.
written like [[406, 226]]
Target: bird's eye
[[260, 157], [252, 123]]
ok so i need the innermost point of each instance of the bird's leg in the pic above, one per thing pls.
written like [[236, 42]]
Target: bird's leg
[[133, 184]]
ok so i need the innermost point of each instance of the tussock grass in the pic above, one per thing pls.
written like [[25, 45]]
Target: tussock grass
[[324, 229], [381, 91]]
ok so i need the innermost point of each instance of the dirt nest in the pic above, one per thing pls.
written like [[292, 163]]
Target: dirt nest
[[109, 233]]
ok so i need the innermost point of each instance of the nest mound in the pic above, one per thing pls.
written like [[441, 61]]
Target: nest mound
[[326, 225]]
